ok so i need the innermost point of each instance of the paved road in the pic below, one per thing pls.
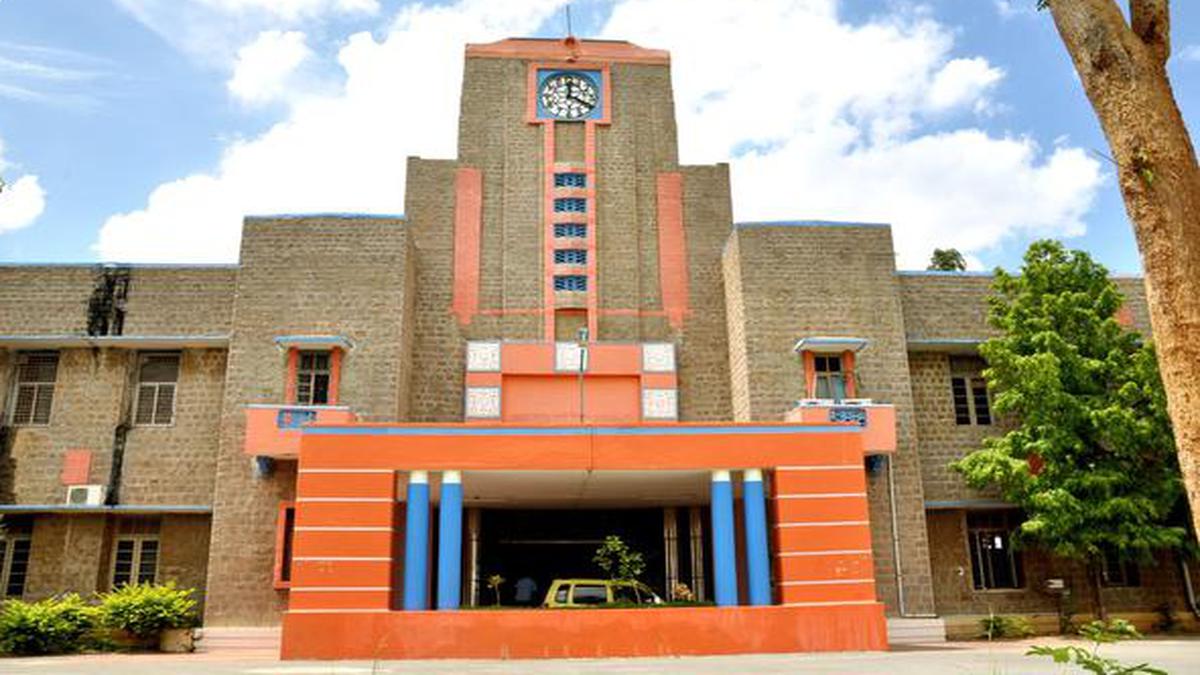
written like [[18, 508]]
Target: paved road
[[1176, 655]]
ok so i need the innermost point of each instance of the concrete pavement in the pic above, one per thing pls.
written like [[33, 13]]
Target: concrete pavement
[[1175, 655]]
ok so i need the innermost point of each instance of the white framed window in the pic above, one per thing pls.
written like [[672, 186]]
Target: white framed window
[[135, 552], [312, 377], [158, 377], [33, 390], [969, 392], [14, 564]]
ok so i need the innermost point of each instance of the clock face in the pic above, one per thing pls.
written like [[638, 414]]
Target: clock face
[[569, 96]]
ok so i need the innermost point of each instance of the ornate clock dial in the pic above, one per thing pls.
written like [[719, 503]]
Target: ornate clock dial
[[569, 96]]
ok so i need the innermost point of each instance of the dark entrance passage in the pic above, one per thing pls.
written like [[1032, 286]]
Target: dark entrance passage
[[544, 545]]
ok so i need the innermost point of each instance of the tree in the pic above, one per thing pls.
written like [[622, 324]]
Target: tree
[[1091, 461], [947, 260], [618, 561], [1122, 65]]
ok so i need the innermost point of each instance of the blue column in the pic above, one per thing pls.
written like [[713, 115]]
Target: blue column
[[724, 551], [449, 586], [758, 567], [416, 542]]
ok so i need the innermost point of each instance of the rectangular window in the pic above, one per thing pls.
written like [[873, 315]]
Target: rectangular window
[[570, 205], [570, 282], [158, 374], [968, 391], [570, 256], [33, 394], [831, 381], [1118, 571], [14, 564], [570, 230], [312, 378], [994, 563], [285, 535], [570, 180], [135, 560]]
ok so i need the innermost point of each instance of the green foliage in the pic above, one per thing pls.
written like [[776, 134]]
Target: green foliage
[[51, 626], [145, 610], [494, 582], [1092, 460], [947, 260], [1098, 633], [619, 561], [998, 626]]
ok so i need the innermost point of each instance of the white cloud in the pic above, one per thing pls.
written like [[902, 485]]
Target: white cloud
[[343, 151], [1008, 9], [1190, 53], [22, 201], [819, 117], [262, 69], [825, 119]]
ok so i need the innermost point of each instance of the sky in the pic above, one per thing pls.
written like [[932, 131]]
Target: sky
[[143, 130]]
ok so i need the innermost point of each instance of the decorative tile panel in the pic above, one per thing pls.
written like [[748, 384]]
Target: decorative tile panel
[[567, 356], [658, 357], [660, 404], [483, 357], [483, 403]]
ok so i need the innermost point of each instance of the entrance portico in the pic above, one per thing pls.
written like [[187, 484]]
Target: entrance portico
[[802, 516]]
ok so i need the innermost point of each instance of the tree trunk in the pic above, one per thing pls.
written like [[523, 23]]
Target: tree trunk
[[1097, 590], [1123, 69]]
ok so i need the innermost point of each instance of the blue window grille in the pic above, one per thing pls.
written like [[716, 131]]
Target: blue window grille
[[570, 180], [570, 256], [570, 205], [570, 230], [570, 282]]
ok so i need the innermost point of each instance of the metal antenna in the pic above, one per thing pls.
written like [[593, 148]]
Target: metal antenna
[[568, 11]]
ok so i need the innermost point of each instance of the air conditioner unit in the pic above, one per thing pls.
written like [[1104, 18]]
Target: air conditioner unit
[[85, 495]]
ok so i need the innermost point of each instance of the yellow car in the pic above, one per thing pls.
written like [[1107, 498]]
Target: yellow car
[[593, 592]]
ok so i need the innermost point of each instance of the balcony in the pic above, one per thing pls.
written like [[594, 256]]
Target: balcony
[[274, 430], [877, 419]]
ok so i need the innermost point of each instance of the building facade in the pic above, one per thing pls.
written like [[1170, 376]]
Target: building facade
[[565, 336]]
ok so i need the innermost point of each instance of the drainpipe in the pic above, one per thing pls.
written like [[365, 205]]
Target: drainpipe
[[901, 605], [1189, 590]]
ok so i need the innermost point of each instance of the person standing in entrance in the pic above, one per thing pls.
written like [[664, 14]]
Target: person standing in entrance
[[525, 591]]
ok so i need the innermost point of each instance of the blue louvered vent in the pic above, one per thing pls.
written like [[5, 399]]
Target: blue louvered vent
[[570, 256], [570, 282], [570, 205], [570, 180], [570, 230]]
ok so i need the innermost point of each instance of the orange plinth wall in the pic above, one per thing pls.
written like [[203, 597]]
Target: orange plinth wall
[[342, 593]]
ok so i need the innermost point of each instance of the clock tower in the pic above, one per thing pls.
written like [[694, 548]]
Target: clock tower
[[567, 211]]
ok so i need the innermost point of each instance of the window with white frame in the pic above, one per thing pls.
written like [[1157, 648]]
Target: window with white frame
[[33, 390], [312, 378], [158, 376], [994, 563], [830, 378], [15, 544], [969, 392], [135, 552]]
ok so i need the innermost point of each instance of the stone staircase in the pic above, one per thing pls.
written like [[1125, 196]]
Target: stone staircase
[[915, 631], [238, 642]]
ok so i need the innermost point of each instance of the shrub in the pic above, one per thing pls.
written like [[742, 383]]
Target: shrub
[[145, 610], [998, 626], [51, 626]]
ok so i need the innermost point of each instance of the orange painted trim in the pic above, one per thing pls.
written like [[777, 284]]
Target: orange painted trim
[[344, 514], [548, 150], [468, 229], [848, 371], [352, 573], [672, 248], [828, 538], [589, 161], [330, 485], [568, 53], [810, 374], [812, 509], [547, 633], [660, 381], [335, 374], [817, 567], [484, 379], [321, 544], [289, 385], [343, 599], [849, 479], [76, 467], [280, 544]]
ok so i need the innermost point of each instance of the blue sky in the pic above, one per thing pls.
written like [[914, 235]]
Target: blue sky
[[142, 129]]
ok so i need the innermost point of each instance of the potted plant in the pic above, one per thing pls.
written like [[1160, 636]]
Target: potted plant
[[160, 615]]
